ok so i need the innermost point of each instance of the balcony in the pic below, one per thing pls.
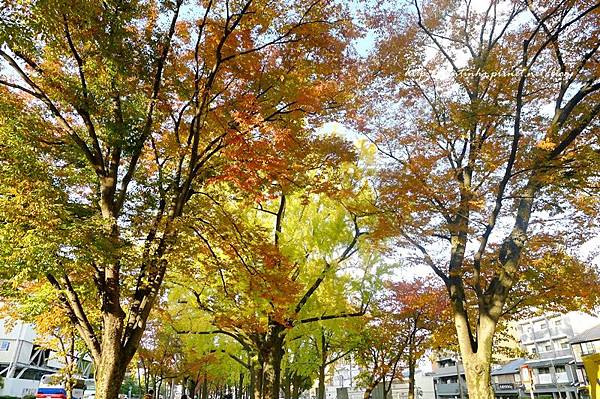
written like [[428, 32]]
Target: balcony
[[544, 379], [554, 332], [555, 353], [562, 378], [448, 389]]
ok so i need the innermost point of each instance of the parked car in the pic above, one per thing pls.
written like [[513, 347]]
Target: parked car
[[52, 386], [90, 389]]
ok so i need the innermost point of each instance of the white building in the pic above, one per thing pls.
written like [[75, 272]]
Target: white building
[[547, 336], [546, 339], [342, 384], [23, 362]]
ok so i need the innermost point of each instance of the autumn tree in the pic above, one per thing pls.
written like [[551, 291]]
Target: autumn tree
[[332, 343], [36, 304], [324, 344], [114, 115], [298, 367], [291, 250], [486, 116], [159, 356], [426, 310], [381, 350]]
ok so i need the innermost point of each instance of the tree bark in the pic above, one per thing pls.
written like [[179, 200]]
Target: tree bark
[[159, 387], [112, 365], [322, 365], [268, 376], [296, 382], [411, 371], [287, 385], [205, 387], [240, 388], [107, 373], [321, 392], [269, 361], [277, 358], [477, 363], [254, 390], [369, 389], [259, 377]]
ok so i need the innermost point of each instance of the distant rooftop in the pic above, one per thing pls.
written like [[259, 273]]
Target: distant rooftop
[[511, 367], [592, 334]]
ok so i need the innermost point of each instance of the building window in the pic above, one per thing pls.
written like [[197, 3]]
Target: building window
[[587, 348], [548, 347], [558, 323], [4, 345], [564, 345], [560, 369], [544, 370]]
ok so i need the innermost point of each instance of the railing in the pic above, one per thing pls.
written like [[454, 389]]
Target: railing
[[562, 377], [544, 379], [448, 389], [555, 353], [547, 333]]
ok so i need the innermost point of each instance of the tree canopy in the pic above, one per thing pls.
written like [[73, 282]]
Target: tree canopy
[[169, 189]]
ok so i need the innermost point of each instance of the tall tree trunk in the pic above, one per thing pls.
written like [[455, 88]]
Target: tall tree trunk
[[254, 390], [277, 358], [110, 370], [477, 363], [411, 369], [322, 365], [240, 390], [267, 378], [287, 385], [270, 359], [159, 387], [477, 353], [259, 373], [296, 382], [321, 389], [205, 387], [369, 390], [114, 355], [195, 386]]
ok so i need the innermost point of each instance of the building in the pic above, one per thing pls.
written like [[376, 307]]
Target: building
[[557, 370], [399, 390], [23, 362], [341, 384], [548, 336], [547, 341], [449, 377], [585, 345], [551, 380], [506, 380]]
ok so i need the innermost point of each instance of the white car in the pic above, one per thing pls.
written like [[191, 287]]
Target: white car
[[90, 389]]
